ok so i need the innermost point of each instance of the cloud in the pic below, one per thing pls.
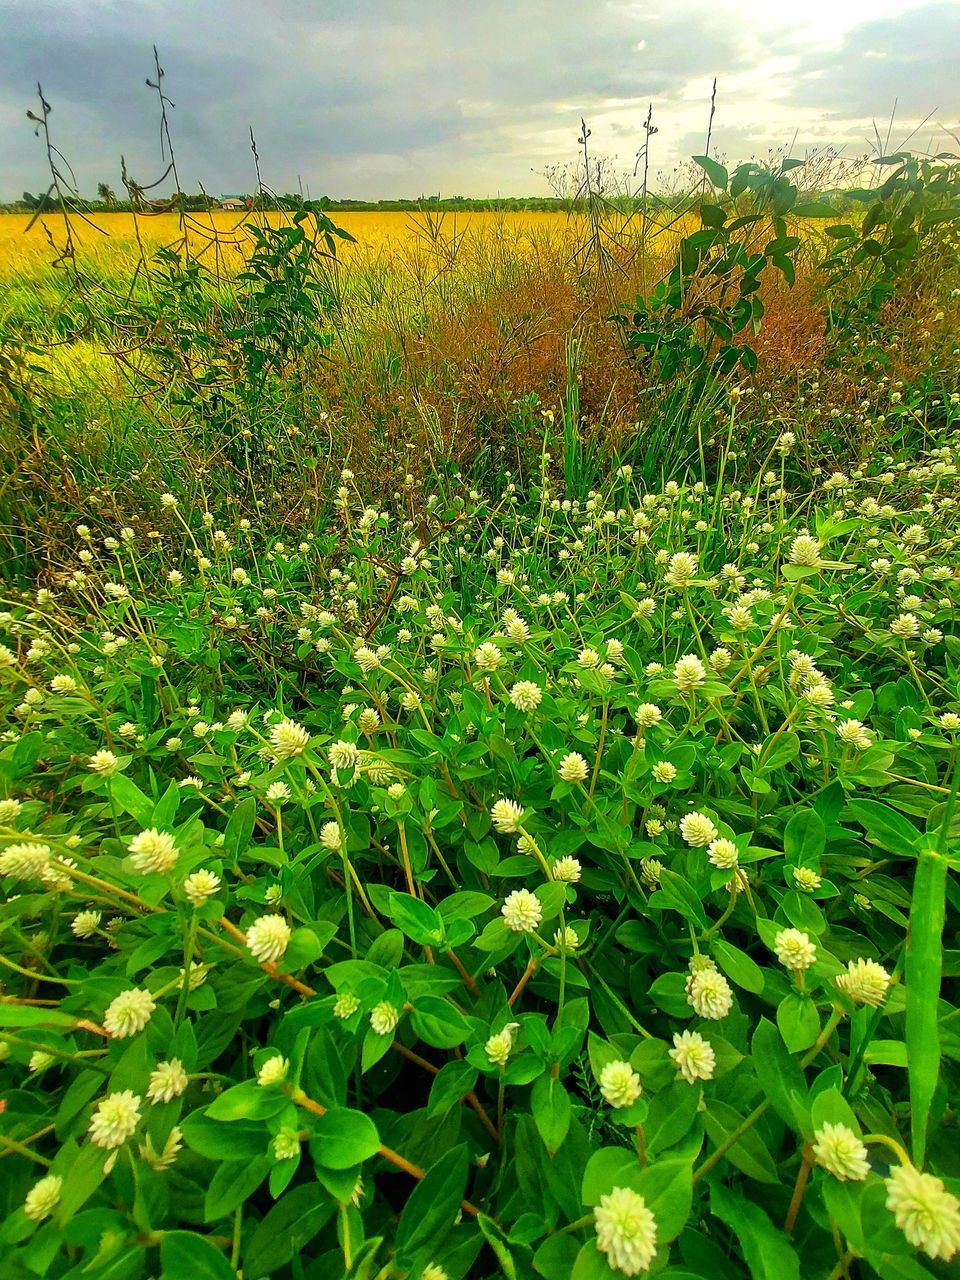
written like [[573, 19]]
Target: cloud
[[391, 97]]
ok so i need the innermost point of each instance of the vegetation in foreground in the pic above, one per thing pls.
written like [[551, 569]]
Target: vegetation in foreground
[[480, 750], [542, 887]]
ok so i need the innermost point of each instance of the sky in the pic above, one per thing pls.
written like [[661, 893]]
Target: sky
[[394, 98]]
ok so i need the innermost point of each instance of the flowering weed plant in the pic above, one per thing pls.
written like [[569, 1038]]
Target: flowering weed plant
[[538, 888]]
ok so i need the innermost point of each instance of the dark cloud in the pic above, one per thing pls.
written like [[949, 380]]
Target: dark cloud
[[384, 97]]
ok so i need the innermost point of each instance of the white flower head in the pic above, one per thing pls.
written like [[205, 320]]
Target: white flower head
[[709, 994], [626, 1231], [43, 1197], [273, 1072], [693, 1055], [620, 1084], [168, 1081], [153, 852], [115, 1119], [925, 1211], [794, 949], [573, 767], [865, 982], [129, 1013], [200, 885], [838, 1150], [267, 938], [288, 739], [506, 816], [522, 911]]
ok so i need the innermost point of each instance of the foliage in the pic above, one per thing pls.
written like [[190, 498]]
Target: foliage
[[261, 785]]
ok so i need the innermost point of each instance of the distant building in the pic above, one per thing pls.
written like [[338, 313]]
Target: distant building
[[236, 204]]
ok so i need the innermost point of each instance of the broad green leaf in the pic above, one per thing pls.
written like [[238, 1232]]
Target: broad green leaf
[[343, 1138], [434, 1203], [714, 171], [184, 1255], [768, 1253], [923, 974], [550, 1105], [749, 1153]]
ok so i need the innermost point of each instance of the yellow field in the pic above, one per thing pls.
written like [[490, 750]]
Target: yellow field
[[106, 239]]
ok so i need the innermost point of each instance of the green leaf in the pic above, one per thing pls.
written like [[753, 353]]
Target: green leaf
[[246, 1101], [128, 796], [677, 892], [233, 1182], [416, 919], [240, 827], [608, 1168], [805, 836], [766, 1250], [885, 827], [738, 966], [433, 1204], [798, 1020], [343, 1138], [749, 1153], [923, 974], [438, 1023], [780, 1075], [671, 1113], [550, 1104], [292, 1223], [25, 1015], [714, 171], [184, 1255], [451, 1083]]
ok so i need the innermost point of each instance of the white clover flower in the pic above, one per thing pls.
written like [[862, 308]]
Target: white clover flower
[[343, 755], [709, 994], [647, 715], [855, 734], [368, 721], [506, 816], [925, 1211], [200, 885], [345, 1005], [63, 684], [522, 911], [806, 879], [25, 861], [697, 829], [865, 982], [84, 924], [682, 570], [432, 1271], [794, 949], [693, 1055], [274, 1071], [589, 659], [498, 1046], [626, 1231], [689, 673], [103, 762], [723, 853], [905, 626], [168, 1081], [9, 809], [805, 551], [949, 721], [277, 793], [153, 852], [267, 938], [366, 659], [567, 870], [129, 1013], [526, 696], [384, 1018], [487, 657], [115, 1119], [566, 939], [286, 1145], [573, 767], [838, 1150], [331, 836], [288, 739], [620, 1084], [43, 1197], [664, 771]]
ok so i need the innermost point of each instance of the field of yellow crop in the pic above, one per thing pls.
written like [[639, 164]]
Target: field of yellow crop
[[106, 240]]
